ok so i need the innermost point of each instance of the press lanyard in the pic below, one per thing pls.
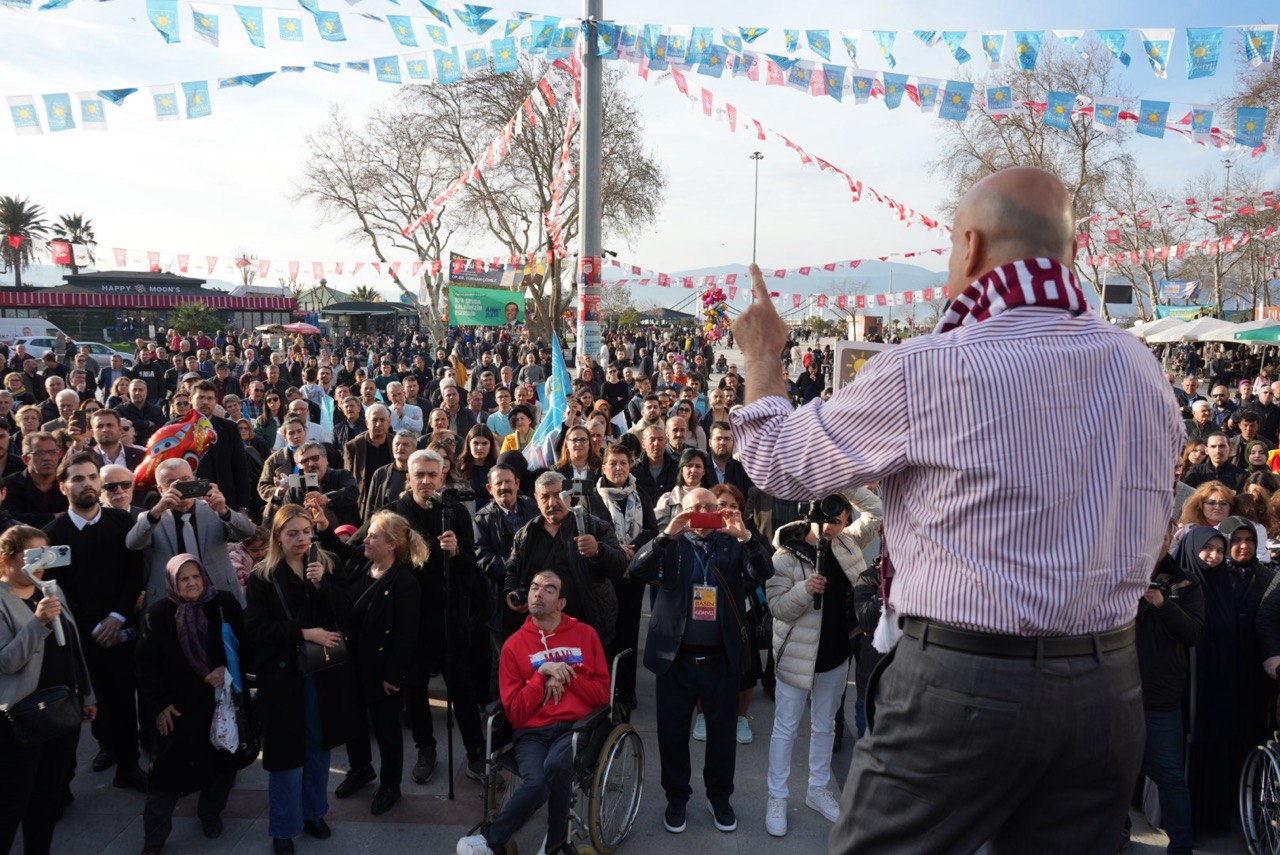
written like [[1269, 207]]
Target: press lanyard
[[704, 562]]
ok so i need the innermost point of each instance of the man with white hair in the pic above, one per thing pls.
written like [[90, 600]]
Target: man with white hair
[[67, 401], [315, 431], [404, 416], [117, 489], [1201, 423]]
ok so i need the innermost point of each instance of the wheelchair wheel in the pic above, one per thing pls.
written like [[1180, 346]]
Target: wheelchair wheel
[[616, 788], [1260, 800]]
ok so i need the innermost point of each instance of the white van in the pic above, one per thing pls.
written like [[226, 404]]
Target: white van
[[15, 328]]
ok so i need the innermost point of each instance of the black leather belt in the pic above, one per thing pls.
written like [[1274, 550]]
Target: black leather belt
[[932, 633]]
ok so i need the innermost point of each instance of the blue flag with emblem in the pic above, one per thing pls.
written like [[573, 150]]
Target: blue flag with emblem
[[1259, 43], [473, 17], [563, 42], [543, 32], [1106, 115], [742, 64], [1151, 118], [1027, 45], [289, 29], [954, 39], [607, 40], [402, 29], [999, 99], [438, 35], [955, 101], [850, 42], [387, 68], [791, 40], [505, 58], [416, 67], [1202, 122], [249, 80], [700, 41], [819, 42], [885, 40], [22, 109], [541, 450], [477, 59], [1156, 44], [835, 81], [627, 35], [440, 15], [92, 115], [332, 67], [57, 109], [1057, 112], [929, 37], [360, 65], [205, 26], [163, 15], [165, 102], [116, 96], [714, 62], [1251, 122], [196, 94], [862, 87], [799, 77], [254, 28], [927, 92], [993, 48], [750, 34], [447, 70], [895, 85], [1204, 46], [329, 24], [731, 41], [1114, 41]]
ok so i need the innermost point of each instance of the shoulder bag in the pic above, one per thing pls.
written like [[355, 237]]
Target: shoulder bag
[[48, 713], [313, 658]]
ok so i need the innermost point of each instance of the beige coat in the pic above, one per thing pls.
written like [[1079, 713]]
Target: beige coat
[[797, 626]]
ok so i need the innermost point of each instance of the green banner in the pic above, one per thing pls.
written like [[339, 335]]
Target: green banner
[[484, 307]]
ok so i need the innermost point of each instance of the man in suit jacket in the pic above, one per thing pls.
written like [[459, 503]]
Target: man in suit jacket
[[224, 461], [696, 643], [724, 468], [369, 451], [108, 376], [163, 532], [108, 446]]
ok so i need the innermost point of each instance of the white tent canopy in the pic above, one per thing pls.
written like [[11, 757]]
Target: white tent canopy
[[1142, 329], [1190, 331], [1228, 335]]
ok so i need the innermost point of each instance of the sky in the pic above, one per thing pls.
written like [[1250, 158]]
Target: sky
[[222, 184]]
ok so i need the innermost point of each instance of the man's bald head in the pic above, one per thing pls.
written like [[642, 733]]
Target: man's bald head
[[1016, 213]]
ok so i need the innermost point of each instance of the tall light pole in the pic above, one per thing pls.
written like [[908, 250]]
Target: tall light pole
[[755, 206], [589, 194]]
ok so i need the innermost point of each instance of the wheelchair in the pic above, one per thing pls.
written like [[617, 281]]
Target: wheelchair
[[1260, 798], [608, 773]]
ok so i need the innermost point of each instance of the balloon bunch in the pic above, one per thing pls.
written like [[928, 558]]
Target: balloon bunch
[[715, 313]]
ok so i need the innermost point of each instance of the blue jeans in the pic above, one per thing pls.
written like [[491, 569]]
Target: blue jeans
[[544, 759], [1164, 763], [301, 793]]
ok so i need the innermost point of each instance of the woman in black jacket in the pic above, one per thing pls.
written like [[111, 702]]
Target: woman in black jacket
[[291, 600], [181, 662], [382, 630]]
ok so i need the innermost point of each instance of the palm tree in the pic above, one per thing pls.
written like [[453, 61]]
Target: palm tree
[[75, 228], [22, 222], [365, 294]]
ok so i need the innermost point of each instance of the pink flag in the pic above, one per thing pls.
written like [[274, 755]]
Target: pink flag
[[804, 271], [436, 264], [708, 102], [681, 83], [830, 266], [211, 263], [377, 266], [733, 292], [732, 112], [293, 270], [795, 300], [183, 262], [862, 302], [264, 267], [773, 74], [153, 261], [417, 268], [395, 268], [882, 299], [730, 278], [842, 302], [337, 267], [822, 300], [122, 257], [317, 270], [355, 268], [60, 251]]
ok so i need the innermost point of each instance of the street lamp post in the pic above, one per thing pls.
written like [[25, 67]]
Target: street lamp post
[[755, 206]]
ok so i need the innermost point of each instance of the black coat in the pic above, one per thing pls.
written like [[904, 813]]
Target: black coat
[[494, 537], [666, 481], [184, 760], [668, 563], [276, 639], [1228, 473], [225, 464], [383, 639]]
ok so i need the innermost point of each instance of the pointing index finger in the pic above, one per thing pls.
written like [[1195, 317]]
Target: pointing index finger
[[757, 284]]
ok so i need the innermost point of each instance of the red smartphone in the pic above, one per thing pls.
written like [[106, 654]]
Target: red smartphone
[[701, 520]]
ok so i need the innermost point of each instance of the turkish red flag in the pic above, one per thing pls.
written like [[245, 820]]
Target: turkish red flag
[[153, 261], [831, 266], [730, 278], [688, 282], [861, 302], [211, 262], [15, 241], [664, 281], [908, 297], [61, 251], [804, 271], [337, 267], [842, 302], [780, 274], [122, 257], [795, 300], [240, 262], [264, 266], [853, 265], [1113, 235], [733, 292], [681, 83], [293, 269], [882, 300], [436, 264], [183, 262], [928, 294], [822, 300], [317, 270]]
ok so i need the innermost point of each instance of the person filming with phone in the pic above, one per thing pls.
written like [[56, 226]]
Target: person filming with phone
[[191, 517], [698, 643]]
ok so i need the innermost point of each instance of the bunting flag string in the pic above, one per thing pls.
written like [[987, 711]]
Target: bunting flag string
[[1227, 243]]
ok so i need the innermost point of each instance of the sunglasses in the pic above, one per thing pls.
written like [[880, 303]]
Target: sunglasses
[[1217, 504], [116, 486]]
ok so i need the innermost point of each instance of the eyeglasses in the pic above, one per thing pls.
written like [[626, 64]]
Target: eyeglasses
[[578, 440], [1217, 503], [273, 400], [116, 486], [309, 459]]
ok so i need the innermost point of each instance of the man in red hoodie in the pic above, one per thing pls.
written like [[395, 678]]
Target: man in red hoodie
[[553, 672]]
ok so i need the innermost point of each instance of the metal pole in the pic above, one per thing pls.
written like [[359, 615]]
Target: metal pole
[[755, 206], [589, 194]]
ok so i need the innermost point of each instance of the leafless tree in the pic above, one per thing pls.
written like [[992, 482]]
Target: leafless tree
[[247, 265]]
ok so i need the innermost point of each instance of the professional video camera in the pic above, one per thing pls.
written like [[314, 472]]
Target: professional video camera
[[824, 511], [451, 497]]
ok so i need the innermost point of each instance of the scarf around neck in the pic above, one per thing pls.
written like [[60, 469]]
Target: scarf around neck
[[627, 522], [1031, 282], [192, 623]]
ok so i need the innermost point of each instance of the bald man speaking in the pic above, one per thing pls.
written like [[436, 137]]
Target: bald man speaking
[[1009, 709]]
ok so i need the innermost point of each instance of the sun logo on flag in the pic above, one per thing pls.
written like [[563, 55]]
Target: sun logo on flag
[[1060, 109], [60, 112], [165, 102], [893, 87], [1200, 52], [1022, 48], [990, 44], [1106, 112], [162, 20], [415, 67], [1156, 51], [1256, 41], [290, 26], [328, 25], [800, 75], [402, 29], [925, 91], [1154, 117], [197, 98], [818, 45], [251, 26], [1249, 126], [751, 32], [506, 54], [91, 108], [714, 61], [998, 95], [475, 57], [448, 64], [956, 99], [24, 113], [205, 22]]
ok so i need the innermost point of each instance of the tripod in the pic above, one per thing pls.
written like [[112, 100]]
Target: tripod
[[446, 523]]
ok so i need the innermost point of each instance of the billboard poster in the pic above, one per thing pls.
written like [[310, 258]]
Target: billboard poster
[[590, 294], [468, 275], [851, 356], [484, 307]]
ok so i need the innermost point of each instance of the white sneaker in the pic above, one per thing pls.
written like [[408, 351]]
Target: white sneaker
[[824, 803], [744, 730], [473, 845], [700, 728], [775, 817]]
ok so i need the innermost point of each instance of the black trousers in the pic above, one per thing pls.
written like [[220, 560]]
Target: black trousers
[[112, 672], [630, 600], [157, 816], [32, 781], [466, 709], [381, 713], [484, 666], [693, 678]]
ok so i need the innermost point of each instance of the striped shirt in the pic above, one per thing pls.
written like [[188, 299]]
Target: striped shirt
[[1026, 465]]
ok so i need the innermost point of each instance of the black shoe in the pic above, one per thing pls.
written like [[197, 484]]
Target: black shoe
[[384, 800], [282, 846], [212, 828], [425, 767], [673, 819], [130, 778], [354, 780], [103, 761], [723, 815], [317, 828], [475, 769]]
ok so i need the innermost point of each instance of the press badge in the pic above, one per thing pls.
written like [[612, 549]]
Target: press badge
[[704, 602]]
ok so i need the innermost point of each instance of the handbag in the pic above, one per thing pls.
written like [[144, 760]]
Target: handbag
[[44, 715], [314, 658], [744, 662]]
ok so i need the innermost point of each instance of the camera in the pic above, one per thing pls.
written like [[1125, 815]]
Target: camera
[[453, 496], [308, 481], [193, 489], [827, 510]]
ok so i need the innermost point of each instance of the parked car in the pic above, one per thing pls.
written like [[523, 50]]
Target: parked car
[[37, 345], [101, 353]]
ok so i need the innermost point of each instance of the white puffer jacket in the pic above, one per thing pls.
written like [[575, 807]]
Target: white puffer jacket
[[797, 626]]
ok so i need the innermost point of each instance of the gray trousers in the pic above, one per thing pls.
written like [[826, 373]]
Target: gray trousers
[[965, 749]]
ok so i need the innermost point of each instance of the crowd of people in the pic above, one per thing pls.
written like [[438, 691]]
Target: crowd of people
[[364, 520]]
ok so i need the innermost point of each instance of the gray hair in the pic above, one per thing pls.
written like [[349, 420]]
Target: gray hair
[[550, 478], [377, 408], [406, 434], [394, 385], [307, 446], [427, 455], [1200, 405]]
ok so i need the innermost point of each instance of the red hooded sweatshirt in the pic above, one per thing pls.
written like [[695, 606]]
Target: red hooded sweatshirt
[[523, 687]]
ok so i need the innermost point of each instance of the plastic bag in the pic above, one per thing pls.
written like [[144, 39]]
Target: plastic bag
[[223, 732]]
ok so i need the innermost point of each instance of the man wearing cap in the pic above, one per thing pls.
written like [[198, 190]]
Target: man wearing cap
[[1009, 707]]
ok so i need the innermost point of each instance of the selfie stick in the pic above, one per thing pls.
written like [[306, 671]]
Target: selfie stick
[[446, 521], [819, 564], [48, 588]]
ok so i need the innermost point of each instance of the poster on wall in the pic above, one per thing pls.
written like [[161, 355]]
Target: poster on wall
[[484, 307], [851, 356]]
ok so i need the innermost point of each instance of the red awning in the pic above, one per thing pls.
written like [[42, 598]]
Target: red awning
[[68, 300]]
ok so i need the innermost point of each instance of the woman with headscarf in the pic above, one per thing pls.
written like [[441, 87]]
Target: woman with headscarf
[[181, 662], [1228, 693], [1255, 456]]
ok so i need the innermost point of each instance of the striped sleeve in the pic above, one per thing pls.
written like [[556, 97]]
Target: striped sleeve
[[856, 438]]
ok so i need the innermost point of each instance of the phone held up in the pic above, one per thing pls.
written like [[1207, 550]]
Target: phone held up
[[705, 520], [194, 489]]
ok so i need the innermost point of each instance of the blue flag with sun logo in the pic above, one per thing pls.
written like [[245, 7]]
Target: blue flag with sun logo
[[402, 29], [835, 81], [289, 29], [447, 70], [791, 40], [895, 85], [477, 59], [504, 56], [1114, 41], [1259, 43], [1204, 46], [163, 15], [541, 450], [993, 48], [416, 67], [819, 42], [1156, 44], [1251, 122], [999, 99], [254, 28], [196, 94], [1151, 118], [329, 24], [57, 108], [955, 101], [1057, 112], [885, 40], [750, 34], [387, 68], [1026, 43]]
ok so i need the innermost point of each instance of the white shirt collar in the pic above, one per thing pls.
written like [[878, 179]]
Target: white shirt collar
[[80, 522]]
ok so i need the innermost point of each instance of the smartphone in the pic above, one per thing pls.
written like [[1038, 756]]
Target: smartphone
[[312, 481], [79, 421], [313, 554], [194, 489], [701, 520], [61, 555]]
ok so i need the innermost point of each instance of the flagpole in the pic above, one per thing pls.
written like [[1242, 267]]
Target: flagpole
[[589, 204], [755, 206]]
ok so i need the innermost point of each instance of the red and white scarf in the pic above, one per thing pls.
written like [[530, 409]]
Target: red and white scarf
[[1030, 282]]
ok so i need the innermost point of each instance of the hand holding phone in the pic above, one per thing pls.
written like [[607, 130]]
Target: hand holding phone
[[705, 520]]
